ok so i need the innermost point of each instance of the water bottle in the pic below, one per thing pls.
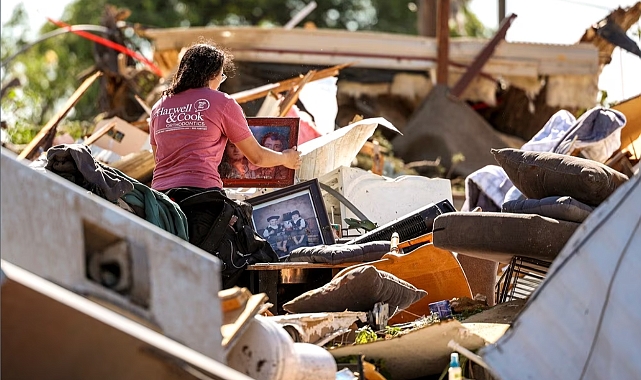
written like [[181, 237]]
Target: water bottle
[[454, 372]]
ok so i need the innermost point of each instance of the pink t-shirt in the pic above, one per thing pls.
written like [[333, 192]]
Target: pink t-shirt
[[190, 131]]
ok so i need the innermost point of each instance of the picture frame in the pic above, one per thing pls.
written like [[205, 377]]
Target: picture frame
[[277, 217], [277, 133]]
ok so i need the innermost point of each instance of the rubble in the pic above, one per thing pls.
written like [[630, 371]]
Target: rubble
[[116, 265]]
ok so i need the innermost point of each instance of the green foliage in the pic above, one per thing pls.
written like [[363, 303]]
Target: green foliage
[[365, 335], [473, 26], [365, 224], [50, 71], [392, 331], [21, 133]]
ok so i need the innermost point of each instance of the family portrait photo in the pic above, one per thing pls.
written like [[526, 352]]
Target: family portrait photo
[[292, 218], [276, 133]]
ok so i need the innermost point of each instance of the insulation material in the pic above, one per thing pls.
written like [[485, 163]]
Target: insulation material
[[531, 85], [481, 89], [357, 89], [413, 87], [572, 91]]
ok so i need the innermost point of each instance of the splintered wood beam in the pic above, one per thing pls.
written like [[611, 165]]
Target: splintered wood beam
[[286, 85], [50, 128], [292, 97], [99, 133], [144, 105], [481, 59]]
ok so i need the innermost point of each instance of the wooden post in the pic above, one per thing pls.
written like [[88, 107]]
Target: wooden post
[[427, 18], [501, 10], [443, 36]]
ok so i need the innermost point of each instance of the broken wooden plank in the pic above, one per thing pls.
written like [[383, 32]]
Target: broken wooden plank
[[282, 86], [292, 97], [50, 128], [484, 56], [99, 133], [144, 105], [139, 166]]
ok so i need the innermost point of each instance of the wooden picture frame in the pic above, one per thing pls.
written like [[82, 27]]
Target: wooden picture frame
[[277, 133], [277, 217]]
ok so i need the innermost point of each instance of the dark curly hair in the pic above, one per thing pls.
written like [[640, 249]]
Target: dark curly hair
[[200, 63]]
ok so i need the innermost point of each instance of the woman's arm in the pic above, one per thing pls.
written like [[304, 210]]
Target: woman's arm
[[267, 158]]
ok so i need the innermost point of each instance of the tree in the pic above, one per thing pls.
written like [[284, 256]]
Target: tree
[[46, 73], [51, 70]]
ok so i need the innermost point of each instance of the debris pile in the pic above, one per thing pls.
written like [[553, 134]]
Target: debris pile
[[373, 274]]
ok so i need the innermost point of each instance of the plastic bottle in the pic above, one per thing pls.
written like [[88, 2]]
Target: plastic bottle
[[394, 242], [454, 372]]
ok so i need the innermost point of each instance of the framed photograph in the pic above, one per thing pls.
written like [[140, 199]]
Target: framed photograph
[[276, 133], [292, 217]]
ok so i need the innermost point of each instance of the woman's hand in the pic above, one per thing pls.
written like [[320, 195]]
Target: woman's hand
[[292, 158]]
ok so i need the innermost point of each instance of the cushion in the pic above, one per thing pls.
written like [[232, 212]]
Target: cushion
[[357, 290], [341, 253], [500, 236], [542, 174], [562, 208]]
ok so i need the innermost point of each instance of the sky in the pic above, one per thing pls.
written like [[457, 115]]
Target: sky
[[542, 21]]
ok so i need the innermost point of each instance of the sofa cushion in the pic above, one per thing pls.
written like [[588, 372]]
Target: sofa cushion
[[357, 290], [562, 208], [500, 236], [542, 174]]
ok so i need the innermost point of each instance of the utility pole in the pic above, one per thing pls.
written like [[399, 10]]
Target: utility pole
[[501, 10]]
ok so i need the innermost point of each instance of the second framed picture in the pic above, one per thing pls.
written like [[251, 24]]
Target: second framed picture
[[276, 133], [292, 217]]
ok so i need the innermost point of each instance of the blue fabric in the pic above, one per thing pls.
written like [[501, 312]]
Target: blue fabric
[[561, 134], [592, 127]]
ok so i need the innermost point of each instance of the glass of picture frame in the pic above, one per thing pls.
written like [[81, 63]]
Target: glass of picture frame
[[292, 217], [276, 133]]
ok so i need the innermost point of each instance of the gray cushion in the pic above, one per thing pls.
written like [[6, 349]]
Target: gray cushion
[[562, 208], [541, 174], [500, 236], [340, 253], [357, 290]]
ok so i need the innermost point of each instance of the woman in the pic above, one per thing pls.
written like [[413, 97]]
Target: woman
[[192, 122]]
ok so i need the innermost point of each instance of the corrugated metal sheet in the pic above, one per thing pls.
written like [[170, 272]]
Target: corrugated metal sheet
[[583, 321]]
